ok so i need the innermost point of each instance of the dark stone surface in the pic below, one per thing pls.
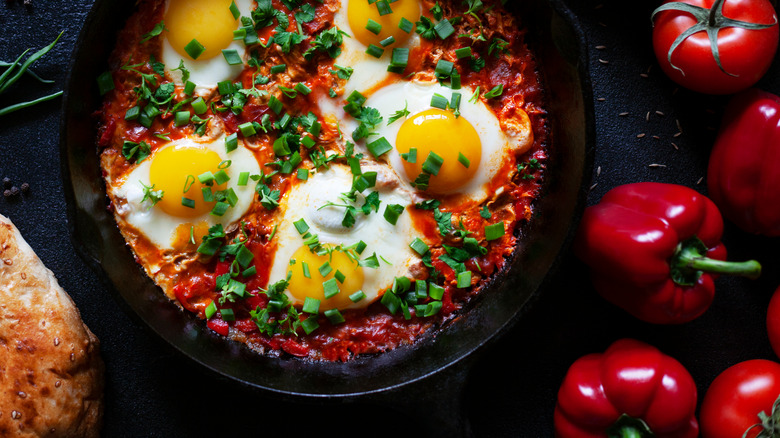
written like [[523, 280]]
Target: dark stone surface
[[511, 390]]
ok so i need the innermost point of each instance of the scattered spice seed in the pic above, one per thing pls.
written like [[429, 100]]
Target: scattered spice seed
[[603, 61], [647, 117], [14, 191], [601, 99], [699, 181], [623, 114], [644, 75], [25, 187], [598, 171], [7, 182], [602, 24], [677, 135], [601, 47], [660, 113], [593, 186], [7, 193], [640, 135], [679, 126], [656, 165], [675, 146], [656, 137]]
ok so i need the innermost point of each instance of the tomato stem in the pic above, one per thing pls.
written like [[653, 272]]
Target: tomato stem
[[714, 13]]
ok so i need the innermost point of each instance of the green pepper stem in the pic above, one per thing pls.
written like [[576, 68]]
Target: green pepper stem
[[750, 269]]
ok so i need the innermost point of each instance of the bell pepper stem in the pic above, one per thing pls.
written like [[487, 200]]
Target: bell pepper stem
[[689, 262], [629, 432], [629, 427], [750, 269]]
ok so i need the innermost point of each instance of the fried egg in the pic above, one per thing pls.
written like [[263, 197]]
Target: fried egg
[[211, 24], [310, 202], [188, 207], [352, 18], [473, 146]]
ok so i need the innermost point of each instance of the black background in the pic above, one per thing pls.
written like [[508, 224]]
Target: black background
[[153, 391]]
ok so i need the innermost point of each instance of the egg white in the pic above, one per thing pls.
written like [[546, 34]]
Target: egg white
[[160, 227], [206, 73], [390, 242]]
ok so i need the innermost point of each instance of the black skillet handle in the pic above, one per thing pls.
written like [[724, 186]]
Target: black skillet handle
[[434, 404]]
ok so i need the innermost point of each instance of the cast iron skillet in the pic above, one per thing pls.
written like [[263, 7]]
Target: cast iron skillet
[[561, 53]]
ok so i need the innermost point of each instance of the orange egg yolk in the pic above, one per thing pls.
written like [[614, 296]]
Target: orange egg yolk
[[440, 132], [175, 171], [360, 11], [311, 285], [208, 21]]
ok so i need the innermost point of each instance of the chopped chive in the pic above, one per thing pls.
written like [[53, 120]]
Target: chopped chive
[[439, 101], [455, 101], [189, 88], [444, 29], [226, 87], [308, 142], [232, 57], [463, 160], [334, 316], [301, 226], [444, 67], [383, 6], [379, 147], [249, 272], [339, 276], [419, 246], [330, 288], [463, 52], [194, 49], [392, 212], [231, 142], [228, 314], [220, 208], [247, 129], [373, 27], [206, 178], [303, 174], [432, 163], [387, 41], [275, 105], [181, 118], [435, 291], [211, 310], [495, 231], [234, 10], [455, 82], [302, 88], [411, 156], [421, 289], [375, 51], [199, 106], [239, 34], [221, 177], [399, 60], [464, 279], [391, 301], [306, 272], [325, 269], [311, 305], [357, 296], [188, 182], [432, 308], [405, 25], [279, 68], [496, 91], [134, 112], [309, 325], [360, 247], [244, 256], [187, 202], [105, 82], [208, 195], [315, 128]]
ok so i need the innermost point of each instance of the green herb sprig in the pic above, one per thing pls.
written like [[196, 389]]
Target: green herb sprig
[[16, 69]]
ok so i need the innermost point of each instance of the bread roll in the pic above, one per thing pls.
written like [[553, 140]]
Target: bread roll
[[51, 375]]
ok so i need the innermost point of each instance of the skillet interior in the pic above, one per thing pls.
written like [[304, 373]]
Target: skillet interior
[[560, 51]]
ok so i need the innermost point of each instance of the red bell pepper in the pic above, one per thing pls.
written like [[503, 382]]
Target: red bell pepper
[[654, 250], [631, 390], [744, 170]]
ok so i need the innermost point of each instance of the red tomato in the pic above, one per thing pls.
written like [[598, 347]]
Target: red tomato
[[745, 51], [735, 398], [773, 322]]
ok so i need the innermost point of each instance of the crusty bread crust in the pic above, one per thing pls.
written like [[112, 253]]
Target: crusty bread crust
[[51, 374]]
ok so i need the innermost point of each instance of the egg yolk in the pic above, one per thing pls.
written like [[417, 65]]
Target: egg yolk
[[440, 132], [306, 262], [175, 171], [360, 11], [208, 21]]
